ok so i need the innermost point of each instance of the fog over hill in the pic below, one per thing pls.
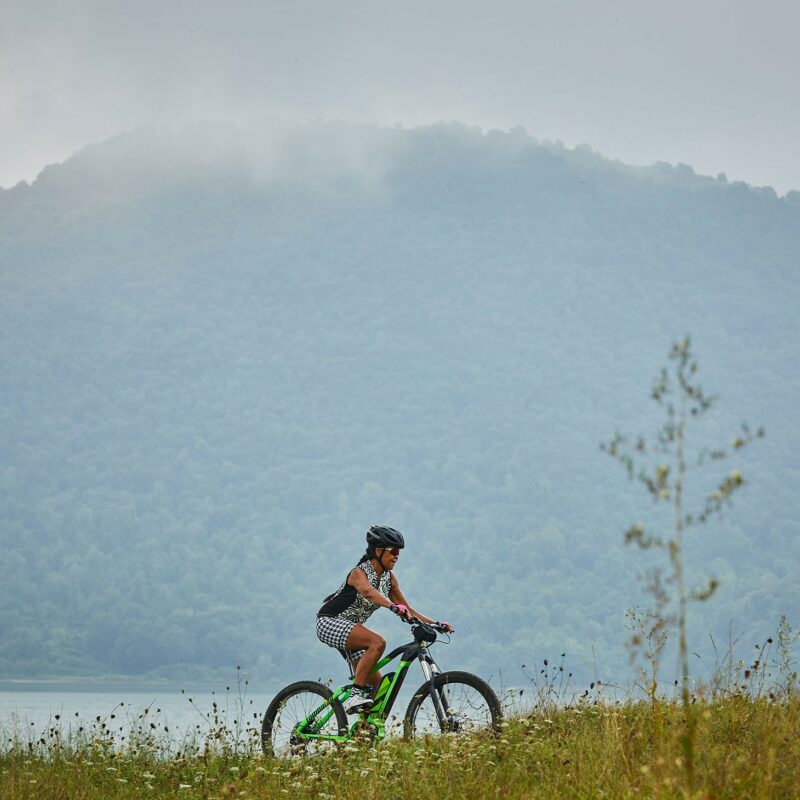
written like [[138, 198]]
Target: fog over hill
[[227, 351]]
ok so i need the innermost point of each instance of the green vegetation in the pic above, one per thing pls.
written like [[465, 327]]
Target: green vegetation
[[553, 742], [223, 360], [746, 748]]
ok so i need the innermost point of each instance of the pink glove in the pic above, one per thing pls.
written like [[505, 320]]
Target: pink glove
[[401, 610], [450, 628]]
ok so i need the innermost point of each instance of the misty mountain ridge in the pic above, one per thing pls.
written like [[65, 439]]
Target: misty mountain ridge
[[228, 350], [276, 152]]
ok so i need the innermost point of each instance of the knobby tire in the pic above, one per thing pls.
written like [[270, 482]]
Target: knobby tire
[[283, 699], [487, 708]]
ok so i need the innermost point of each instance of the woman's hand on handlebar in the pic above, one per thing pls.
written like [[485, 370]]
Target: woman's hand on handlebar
[[401, 611], [444, 627]]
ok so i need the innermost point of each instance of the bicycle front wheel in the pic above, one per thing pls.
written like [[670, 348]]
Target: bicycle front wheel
[[292, 706], [466, 704]]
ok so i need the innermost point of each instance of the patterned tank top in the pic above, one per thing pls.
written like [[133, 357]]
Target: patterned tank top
[[347, 603]]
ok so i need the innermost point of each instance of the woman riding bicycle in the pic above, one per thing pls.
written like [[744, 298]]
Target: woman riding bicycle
[[368, 586]]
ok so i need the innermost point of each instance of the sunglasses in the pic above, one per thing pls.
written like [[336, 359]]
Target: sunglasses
[[395, 551]]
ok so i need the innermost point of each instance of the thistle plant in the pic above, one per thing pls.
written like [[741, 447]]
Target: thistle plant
[[649, 637], [787, 638], [663, 465]]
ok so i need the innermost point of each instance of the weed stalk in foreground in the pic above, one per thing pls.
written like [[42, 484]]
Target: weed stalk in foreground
[[663, 466]]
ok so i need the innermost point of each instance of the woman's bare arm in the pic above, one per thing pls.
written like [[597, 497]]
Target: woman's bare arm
[[358, 580]]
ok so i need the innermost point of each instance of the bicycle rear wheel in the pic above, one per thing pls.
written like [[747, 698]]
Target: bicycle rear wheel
[[290, 707], [470, 704]]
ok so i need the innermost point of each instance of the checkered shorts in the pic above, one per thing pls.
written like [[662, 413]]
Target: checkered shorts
[[333, 631]]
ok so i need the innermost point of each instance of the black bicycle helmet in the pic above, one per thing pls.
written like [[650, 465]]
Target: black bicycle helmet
[[381, 536]]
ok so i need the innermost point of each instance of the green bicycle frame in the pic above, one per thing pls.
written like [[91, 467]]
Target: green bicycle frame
[[382, 704]]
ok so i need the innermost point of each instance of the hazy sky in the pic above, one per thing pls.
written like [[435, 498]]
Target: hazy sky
[[712, 83]]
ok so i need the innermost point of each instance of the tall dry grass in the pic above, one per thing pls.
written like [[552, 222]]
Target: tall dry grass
[[746, 748]]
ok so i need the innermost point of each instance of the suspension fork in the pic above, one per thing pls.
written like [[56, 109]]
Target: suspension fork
[[430, 670]]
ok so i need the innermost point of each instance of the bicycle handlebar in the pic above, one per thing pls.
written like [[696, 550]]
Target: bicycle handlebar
[[435, 625]]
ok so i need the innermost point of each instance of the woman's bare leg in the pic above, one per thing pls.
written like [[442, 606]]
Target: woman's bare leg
[[362, 638]]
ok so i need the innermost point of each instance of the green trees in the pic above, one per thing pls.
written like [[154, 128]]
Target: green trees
[[211, 387]]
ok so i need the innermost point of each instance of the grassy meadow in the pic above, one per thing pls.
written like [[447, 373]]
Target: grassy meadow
[[745, 748]]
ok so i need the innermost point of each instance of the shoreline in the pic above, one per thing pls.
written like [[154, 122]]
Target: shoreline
[[86, 684], [128, 683], [85, 679]]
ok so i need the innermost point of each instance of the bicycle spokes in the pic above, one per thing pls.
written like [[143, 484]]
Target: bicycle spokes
[[300, 719], [462, 710]]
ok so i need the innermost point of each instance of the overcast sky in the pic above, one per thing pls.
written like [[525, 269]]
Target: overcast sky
[[712, 83]]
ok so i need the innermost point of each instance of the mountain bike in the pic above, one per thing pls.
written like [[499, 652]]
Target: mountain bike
[[307, 717]]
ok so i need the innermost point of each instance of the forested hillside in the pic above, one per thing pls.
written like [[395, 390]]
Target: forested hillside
[[226, 352]]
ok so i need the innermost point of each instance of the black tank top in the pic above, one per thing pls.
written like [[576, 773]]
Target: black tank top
[[351, 605]]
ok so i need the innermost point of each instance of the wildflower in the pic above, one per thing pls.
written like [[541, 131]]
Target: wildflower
[[148, 775], [184, 785]]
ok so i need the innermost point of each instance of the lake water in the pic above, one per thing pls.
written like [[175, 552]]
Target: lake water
[[29, 710]]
